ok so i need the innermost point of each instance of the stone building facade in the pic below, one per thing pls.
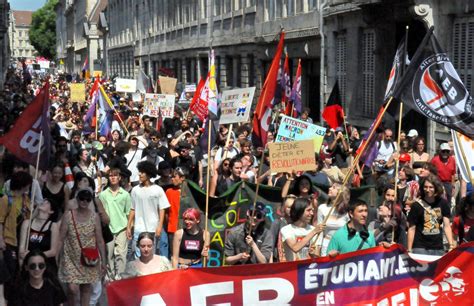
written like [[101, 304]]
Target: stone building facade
[[78, 34], [4, 40], [19, 35], [360, 39]]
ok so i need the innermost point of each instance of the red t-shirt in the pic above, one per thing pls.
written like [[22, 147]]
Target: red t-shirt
[[447, 170], [174, 196], [467, 225]]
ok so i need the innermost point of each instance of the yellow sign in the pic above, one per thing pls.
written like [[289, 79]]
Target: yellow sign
[[78, 92], [289, 156]]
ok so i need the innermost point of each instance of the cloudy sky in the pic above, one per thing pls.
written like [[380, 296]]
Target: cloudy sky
[[26, 5]]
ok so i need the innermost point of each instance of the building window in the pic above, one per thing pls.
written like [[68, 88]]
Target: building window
[[229, 63], [217, 7], [341, 64], [462, 56], [368, 72]]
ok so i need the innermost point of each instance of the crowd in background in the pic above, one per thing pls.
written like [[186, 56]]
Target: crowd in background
[[119, 194]]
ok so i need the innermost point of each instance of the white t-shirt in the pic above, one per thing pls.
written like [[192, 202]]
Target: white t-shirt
[[147, 202], [335, 222], [132, 161], [297, 233]]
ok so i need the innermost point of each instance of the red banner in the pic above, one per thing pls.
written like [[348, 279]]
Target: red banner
[[375, 276]]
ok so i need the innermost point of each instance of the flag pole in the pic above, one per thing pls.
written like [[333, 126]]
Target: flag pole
[[397, 165], [206, 224], [97, 120], [257, 188], [226, 150], [33, 193], [355, 162]]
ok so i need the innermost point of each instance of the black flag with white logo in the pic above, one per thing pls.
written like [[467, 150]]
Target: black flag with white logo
[[432, 87]]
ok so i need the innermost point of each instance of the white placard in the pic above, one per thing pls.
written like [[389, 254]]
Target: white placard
[[159, 102], [235, 105]]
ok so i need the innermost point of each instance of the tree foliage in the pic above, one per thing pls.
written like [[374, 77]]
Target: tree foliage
[[43, 30]]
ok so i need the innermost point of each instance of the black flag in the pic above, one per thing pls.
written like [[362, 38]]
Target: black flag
[[432, 87]]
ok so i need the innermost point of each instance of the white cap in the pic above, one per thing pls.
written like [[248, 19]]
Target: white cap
[[444, 147], [412, 133]]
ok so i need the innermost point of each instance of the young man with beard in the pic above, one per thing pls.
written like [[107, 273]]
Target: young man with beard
[[147, 213]]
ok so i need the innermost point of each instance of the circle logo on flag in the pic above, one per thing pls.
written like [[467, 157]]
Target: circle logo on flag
[[439, 92]]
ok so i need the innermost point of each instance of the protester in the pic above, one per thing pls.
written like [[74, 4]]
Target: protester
[[250, 242], [338, 217], [37, 284], [191, 243], [42, 233], [147, 263], [428, 216], [446, 166], [354, 236], [116, 202], [147, 212], [57, 191], [80, 228], [299, 237], [463, 223], [419, 156], [279, 223]]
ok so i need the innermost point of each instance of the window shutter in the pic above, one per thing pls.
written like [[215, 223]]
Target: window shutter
[[463, 44], [341, 65], [368, 72]]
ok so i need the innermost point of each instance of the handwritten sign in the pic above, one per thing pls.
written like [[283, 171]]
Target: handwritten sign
[[236, 104], [125, 85], [292, 129], [289, 156], [78, 92], [156, 102]]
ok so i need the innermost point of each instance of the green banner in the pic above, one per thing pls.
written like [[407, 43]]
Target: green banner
[[229, 209]]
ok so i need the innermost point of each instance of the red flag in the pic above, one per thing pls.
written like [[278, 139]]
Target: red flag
[[262, 116], [94, 88], [23, 140], [198, 105], [159, 120], [333, 112]]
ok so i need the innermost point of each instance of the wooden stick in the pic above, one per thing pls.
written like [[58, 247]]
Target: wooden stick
[[206, 223], [226, 150], [356, 161], [257, 188], [33, 194], [397, 164]]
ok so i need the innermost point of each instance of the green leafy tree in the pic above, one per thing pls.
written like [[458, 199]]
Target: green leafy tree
[[43, 30]]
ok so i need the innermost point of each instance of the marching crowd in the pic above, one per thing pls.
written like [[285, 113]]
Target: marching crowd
[[108, 207]]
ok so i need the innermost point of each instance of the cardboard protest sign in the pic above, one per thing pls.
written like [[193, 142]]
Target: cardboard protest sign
[[156, 102], [78, 92], [125, 85], [236, 104], [289, 156], [168, 85], [292, 129]]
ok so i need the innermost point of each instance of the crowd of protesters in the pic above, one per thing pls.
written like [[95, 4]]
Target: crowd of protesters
[[119, 194]]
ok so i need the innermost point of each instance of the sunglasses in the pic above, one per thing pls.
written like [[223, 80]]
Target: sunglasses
[[225, 164], [445, 151], [257, 216], [35, 266], [86, 199]]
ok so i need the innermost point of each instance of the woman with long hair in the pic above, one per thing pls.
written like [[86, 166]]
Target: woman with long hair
[[148, 262], [428, 216], [299, 237], [191, 243], [463, 223], [338, 217], [419, 157], [36, 284]]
